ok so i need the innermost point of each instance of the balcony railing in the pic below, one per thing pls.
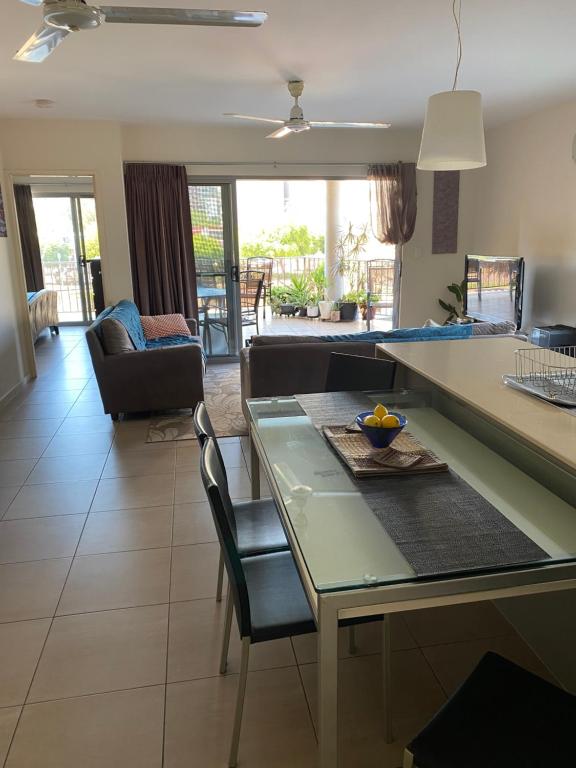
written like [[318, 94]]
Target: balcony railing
[[63, 278]]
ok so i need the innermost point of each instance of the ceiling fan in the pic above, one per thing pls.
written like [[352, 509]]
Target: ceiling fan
[[296, 122], [64, 16]]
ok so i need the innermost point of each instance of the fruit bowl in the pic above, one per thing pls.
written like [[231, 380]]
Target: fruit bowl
[[381, 437]]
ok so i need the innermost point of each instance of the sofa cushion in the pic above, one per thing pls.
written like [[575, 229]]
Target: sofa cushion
[[114, 337], [262, 341], [163, 326], [127, 313]]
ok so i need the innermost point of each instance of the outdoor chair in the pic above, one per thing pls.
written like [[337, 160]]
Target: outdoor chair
[[379, 287], [264, 264], [265, 593], [353, 373], [251, 287], [255, 524], [501, 717]]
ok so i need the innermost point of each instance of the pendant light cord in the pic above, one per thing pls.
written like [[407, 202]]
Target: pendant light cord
[[457, 17]]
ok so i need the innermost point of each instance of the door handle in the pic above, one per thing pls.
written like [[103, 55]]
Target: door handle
[[235, 274]]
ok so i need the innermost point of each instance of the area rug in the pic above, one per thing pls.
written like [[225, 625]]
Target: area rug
[[222, 398]]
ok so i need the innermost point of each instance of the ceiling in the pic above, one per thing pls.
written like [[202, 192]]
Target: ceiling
[[361, 60]]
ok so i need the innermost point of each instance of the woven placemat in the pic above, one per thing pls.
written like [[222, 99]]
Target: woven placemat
[[405, 456], [333, 408]]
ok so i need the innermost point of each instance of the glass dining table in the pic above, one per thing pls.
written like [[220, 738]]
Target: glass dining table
[[352, 561]]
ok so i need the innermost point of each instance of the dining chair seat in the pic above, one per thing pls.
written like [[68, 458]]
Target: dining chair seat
[[278, 605], [258, 527], [501, 717]]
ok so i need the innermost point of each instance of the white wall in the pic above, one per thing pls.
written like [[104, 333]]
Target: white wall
[[526, 206], [11, 370]]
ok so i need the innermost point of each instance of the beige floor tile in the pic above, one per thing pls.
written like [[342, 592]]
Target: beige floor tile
[[22, 447], [416, 696], [140, 463], [87, 408], [31, 590], [65, 396], [101, 652], [20, 647], [29, 428], [453, 623], [189, 487], [87, 424], [368, 638], [131, 436], [37, 411], [15, 472], [75, 468], [118, 580], [52, 499], [134, 492], [39, 538], [110, 730], [188, 455], [453, 662], [76, 445], [196, 630], [194, 572], [8, 722], [7, 494], [193, 524], [126, 529], [276, 729]]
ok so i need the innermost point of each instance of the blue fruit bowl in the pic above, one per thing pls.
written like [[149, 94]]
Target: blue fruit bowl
[[381, 437]]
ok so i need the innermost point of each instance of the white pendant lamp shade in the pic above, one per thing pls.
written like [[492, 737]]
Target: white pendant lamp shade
[[453, 136]]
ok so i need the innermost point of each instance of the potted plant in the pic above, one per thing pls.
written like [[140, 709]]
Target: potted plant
[[455, 311], [317, 283], [300, 293], [335, 312], [351, 244], [280, 301]]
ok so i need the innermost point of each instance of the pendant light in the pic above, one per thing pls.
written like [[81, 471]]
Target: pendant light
[[453, 135]]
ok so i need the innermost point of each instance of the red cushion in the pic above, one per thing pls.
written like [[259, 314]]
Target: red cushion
[[159, 326]]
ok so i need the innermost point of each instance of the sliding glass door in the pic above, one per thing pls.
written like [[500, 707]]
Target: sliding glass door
[[68, 237], [212, 207]]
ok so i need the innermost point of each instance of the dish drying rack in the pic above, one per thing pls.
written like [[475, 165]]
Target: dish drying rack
[[546, 373]]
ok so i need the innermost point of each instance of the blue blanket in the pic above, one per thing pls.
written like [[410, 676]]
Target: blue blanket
[[433, 333], [127, 313]]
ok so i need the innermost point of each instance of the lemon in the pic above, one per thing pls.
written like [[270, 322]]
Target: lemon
[[380, 411], [390, 421], [372, 421]]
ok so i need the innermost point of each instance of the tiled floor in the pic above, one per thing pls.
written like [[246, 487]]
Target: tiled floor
[[109, 631]]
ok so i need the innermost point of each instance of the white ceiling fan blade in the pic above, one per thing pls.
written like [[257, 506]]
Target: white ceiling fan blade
[[37, 3], [204, 18], [280, 133], [329, 124], [253, 117], [41, 44]]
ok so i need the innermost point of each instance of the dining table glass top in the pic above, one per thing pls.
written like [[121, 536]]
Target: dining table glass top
[[341, 540]]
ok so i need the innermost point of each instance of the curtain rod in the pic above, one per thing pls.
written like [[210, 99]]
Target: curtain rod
[[272, 163]]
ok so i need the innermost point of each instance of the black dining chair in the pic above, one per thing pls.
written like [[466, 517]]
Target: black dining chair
[[266, 594], [355, 373], [265, 590], [501, 717], [256, 524]]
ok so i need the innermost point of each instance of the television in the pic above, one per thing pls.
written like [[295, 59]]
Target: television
[[493, 288]]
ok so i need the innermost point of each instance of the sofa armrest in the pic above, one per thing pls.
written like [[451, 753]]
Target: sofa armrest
[[193, 325]]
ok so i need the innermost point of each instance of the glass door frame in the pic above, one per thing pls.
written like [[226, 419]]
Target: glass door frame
[[227, 185], [88, 312]]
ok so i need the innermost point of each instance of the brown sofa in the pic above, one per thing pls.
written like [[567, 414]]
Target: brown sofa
[[288, 365], [158, 379]]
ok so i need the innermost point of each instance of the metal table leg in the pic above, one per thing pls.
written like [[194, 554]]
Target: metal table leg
[[327, 684], [254, 470]]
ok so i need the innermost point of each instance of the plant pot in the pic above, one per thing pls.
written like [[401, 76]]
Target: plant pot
[[348, 310], [287, 309], [303, 312], [325, 308], [335, 315], [366, 312], [313, 310]]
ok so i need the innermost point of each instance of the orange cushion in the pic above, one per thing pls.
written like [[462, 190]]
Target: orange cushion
[[159, 326]]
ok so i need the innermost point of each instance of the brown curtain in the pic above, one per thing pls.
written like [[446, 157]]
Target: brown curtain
[[29, 238], [160, 236], [393, 201]]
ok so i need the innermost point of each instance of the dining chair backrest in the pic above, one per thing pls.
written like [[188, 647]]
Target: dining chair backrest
[[354, 373], [251, 285], [216, 489], [204, 429], [380, 277], [264, 264]]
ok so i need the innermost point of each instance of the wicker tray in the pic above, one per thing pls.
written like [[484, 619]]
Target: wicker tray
[[406, 457]]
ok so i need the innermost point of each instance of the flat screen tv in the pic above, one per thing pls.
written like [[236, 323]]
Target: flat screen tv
[[494, 286]]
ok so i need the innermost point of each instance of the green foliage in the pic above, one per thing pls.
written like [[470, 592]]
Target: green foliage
[[284, 242], [279, 294], [318, 283], [300, 290], [57, 252], [350, 246], [92, 248], [454, 310], [206, 246]]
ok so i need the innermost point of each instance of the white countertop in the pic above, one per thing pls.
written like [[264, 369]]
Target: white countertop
[[472, 371]]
